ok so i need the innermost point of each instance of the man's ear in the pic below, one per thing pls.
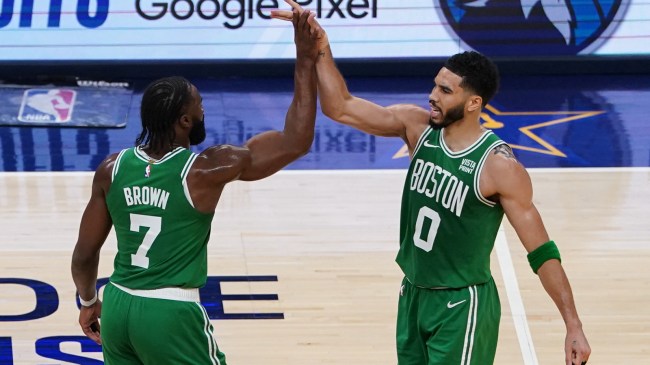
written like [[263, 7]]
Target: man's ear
[[185, 121], [474, 103]]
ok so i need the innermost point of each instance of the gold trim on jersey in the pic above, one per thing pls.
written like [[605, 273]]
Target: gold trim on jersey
[[139, 153]]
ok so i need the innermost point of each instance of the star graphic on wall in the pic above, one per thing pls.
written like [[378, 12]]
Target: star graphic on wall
[[526, 123]]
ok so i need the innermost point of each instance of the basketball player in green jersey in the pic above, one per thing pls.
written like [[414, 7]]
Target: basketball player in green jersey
[[161, 198], [461, 180]]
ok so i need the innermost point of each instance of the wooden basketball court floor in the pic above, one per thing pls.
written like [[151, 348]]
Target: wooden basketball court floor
[[330, 238]]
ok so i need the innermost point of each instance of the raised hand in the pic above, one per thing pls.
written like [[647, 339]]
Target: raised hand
[[287, 14], [305, 39], [315, 30]]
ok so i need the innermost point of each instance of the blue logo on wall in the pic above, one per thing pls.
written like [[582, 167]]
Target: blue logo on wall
[[532, 27]]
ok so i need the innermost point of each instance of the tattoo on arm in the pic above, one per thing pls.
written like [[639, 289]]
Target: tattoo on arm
[[505, 150]]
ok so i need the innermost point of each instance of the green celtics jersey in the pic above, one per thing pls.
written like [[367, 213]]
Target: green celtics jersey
[[161, 239], [447, 228]]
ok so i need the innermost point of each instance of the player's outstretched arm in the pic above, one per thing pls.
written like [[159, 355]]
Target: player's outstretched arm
[[400, 120], [94, 228], [513, 186], [273, 150]]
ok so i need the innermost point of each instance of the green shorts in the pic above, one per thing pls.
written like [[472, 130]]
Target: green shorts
[[141, 330], [447, 326]]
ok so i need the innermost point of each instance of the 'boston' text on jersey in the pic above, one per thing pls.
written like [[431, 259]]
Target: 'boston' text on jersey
[[439, 184]]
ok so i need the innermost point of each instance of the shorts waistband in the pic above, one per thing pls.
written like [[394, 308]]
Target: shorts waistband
[[424, 287], [444, 287], [180, 294]]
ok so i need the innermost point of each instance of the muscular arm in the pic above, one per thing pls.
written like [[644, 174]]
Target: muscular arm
[[268, 152], [400, 120], [510, 181], [94, 228], [273, 150]]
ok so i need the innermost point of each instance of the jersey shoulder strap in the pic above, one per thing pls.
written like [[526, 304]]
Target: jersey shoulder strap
[[116, 165]]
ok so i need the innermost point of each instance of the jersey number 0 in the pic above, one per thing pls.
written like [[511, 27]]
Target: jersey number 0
[[424, 214]]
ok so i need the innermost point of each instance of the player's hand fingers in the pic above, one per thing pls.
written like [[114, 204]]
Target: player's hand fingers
[[294, 5], [314, 26], [580, 358], [286, 15], [577, 355], [568, 355], [302, 20], [92, 332], [313, 31], [313, 23]]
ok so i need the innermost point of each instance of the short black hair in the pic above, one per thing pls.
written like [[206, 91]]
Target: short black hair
[[479, 73], [163, 102]]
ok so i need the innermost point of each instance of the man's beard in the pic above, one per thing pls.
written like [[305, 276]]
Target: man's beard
[[453, 115], [197, 133]]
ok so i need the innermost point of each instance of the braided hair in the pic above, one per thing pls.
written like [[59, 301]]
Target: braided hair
[[163, 102]]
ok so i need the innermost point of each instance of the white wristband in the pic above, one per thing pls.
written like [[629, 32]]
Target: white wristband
[[88, 303]]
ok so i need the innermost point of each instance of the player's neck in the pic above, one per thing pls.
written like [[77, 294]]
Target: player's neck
[[463, 133], [159, 152]]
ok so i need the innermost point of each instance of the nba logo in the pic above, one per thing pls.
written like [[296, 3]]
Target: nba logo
[[47, 105]]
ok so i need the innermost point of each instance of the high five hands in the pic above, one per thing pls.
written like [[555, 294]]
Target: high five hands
[[295, 15]]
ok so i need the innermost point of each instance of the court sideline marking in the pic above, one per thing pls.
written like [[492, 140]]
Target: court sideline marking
[[514, 298]]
